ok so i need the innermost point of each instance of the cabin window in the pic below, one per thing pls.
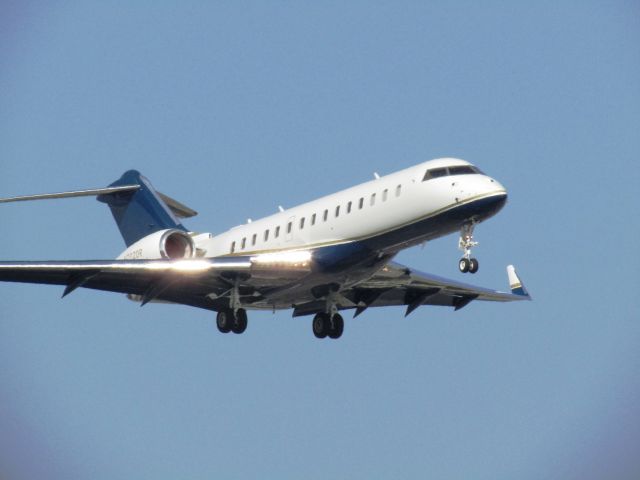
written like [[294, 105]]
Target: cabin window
[[301, 223], [337, 211], [253, 238], [361, 203], [349, 207], [385, 192], [313, 219], [289, 227], [325, 215], [398, 190], [372, 202], [233, 247], [244, 243], [277, 234], [266, 235]]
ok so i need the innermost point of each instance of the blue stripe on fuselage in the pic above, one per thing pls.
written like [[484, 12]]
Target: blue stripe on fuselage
[[347, 255]]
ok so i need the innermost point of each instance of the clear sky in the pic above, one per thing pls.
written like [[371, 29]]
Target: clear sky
[[235, 108]]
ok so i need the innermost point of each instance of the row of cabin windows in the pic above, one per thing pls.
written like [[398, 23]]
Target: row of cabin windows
[[325, 217]]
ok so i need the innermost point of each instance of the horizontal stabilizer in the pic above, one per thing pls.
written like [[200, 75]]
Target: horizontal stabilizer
[[180, 210], [138, 209], [73, 193]]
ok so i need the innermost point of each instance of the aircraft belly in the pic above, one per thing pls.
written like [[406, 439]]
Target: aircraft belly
[[312, 286]]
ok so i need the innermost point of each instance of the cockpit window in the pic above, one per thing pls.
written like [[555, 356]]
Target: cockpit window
[[461, 170], [447, 171], [435, 173]]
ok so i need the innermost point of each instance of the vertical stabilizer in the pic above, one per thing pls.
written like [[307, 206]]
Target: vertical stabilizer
[[140, 212]]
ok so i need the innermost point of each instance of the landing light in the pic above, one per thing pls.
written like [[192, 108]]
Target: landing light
[[191, 265], [299, 257], [187, 266]]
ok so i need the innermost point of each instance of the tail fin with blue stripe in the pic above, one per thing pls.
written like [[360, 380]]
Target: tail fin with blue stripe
[[141, 211]]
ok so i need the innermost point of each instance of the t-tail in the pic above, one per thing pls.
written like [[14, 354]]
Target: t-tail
[[141, 210]]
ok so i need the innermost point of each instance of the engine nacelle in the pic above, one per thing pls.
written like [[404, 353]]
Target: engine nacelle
[[169, 244]]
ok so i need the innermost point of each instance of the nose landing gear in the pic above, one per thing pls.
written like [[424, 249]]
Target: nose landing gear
[[467, 263]]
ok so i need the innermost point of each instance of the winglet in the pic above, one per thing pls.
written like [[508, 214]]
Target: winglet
[[516, 285]]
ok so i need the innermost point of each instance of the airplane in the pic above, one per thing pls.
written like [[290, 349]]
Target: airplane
[[319, 258]]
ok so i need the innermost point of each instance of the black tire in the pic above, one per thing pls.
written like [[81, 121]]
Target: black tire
[[473, 265], [240, 321], [337, 326], [224, 320], [464, 264], [320, 325]]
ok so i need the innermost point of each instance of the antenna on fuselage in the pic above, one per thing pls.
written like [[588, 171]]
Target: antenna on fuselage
[[376, 176], [280, 208]]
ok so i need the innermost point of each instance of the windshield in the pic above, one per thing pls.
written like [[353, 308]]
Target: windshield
[[448, 171]]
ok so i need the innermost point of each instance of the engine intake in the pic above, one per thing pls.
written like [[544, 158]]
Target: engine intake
[[176, 244], [169, 244]]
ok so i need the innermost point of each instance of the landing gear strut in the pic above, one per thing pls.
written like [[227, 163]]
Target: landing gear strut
[[467, 263]]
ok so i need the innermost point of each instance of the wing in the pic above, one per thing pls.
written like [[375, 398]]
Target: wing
[[203, 283], [206, 283], [396, 285]]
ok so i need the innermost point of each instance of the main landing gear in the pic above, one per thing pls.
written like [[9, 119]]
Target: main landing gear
[[329, 323], [229, 320], [234, 318], [325, 324], [467, 263]]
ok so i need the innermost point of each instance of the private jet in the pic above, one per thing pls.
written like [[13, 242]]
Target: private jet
[[319, 258]]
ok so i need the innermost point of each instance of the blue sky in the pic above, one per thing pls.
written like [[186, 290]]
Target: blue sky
[[235, 109]]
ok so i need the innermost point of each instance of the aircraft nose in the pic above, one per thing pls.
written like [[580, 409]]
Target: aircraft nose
[[501, 200], [491, 204], [501, 191], [496, 185], [494, 197]]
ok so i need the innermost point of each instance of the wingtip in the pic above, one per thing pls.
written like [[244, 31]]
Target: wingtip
[[515, 284]]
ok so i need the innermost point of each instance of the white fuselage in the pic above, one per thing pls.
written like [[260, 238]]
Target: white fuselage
[[361, 212]]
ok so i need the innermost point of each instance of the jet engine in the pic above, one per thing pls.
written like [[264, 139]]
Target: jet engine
[[169, 244]]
